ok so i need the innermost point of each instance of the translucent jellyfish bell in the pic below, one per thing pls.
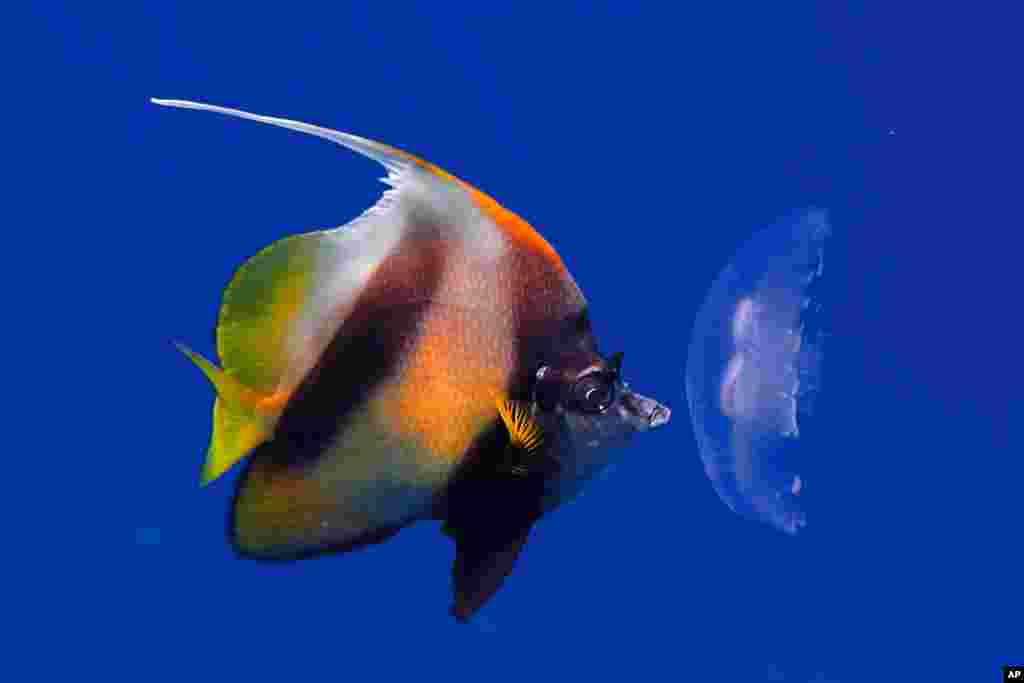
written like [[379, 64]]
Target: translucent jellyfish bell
[[754, 366]]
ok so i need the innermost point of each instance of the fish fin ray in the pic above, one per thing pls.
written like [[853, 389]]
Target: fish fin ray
[[524, 432]]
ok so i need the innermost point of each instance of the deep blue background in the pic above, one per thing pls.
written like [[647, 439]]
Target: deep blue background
[[645, 144]]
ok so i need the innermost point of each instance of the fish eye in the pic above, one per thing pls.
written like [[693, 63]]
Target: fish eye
[[594, 392]]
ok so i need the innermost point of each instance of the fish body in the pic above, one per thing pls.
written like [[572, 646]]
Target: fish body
[[387, 371]]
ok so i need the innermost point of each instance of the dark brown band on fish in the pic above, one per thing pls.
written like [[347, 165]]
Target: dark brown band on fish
[[380, 330]]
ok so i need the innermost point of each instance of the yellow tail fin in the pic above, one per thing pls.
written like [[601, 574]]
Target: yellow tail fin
[[242, 418]]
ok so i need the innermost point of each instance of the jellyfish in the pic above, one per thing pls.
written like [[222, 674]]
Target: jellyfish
[[754, 369]]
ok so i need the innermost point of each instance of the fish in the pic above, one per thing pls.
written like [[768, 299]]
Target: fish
[[432, 359]]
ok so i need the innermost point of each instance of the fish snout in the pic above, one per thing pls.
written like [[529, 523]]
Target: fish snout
[[646, 412], [660, 416]]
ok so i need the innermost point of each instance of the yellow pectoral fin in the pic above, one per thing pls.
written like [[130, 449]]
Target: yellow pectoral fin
[[242, 418], [523, 431]]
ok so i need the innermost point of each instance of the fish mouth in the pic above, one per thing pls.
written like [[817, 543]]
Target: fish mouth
[[645, 413], [659, 416]]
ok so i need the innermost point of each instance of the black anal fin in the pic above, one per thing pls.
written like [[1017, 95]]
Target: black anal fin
[[491, 507], [489, 516], [482, 562]]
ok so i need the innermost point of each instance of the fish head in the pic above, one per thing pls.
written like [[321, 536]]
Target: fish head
[[583, 400]]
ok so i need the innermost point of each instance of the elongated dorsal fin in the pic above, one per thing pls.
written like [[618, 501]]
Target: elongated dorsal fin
[[392, 159], [399, 163]]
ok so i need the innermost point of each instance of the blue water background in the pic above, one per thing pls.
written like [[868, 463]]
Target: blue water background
[[645, 143]]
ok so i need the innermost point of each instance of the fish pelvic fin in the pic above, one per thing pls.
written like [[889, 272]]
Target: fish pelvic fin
[[242, 418]]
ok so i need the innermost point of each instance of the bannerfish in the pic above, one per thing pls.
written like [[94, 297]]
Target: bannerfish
[[433, 359]]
